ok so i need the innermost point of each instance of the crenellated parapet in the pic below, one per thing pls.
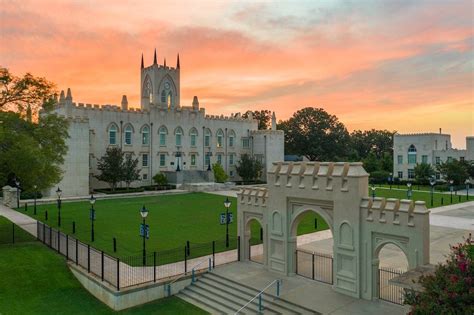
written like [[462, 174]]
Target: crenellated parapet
[[228, 118], [253, 197], [315, 175], [393, 211]]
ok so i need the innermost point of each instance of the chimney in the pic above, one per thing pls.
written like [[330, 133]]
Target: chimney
[[274, 123], [439, 130], [195, 102]]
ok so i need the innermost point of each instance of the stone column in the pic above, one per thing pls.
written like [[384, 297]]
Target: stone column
[[10, 196]]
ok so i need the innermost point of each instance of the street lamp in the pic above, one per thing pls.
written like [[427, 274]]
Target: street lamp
[[227, 204], [144, 231], [451, 188], [92, 215], [432, 183], [17, 184], [373, 191], [209, 154], [409, 192], [390, 179], [467, 182], [59, 192], [178, 155], [34, 204]]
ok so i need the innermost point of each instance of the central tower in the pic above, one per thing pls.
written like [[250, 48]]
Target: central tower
[[159, 85]]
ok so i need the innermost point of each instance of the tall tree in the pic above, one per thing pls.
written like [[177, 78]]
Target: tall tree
[[454, 170], [423, 173], [249, 168], [315, 134], [263, 116], [110, 167], [17, 93], [378, 142], [130, 170]]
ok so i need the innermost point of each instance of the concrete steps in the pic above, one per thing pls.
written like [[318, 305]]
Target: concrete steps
[[219, 295]]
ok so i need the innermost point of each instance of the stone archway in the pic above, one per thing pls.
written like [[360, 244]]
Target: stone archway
[[245, 241]]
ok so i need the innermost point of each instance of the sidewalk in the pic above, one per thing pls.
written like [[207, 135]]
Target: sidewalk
[[24, 221]]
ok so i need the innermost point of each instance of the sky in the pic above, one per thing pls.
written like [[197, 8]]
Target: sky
[[400, 65]]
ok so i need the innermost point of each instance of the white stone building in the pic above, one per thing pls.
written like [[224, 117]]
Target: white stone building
[[429, 148], [178, 140]]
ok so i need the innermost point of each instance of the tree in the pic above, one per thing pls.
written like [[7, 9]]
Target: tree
[[32, 151], [110, 167], [263, 116], [450, 290], [371, 163], [314, 133], [378, 142], [249, 168], [219, 174], [130, 170], [453, 170], [160, 179], [19, 93], [423, 173]]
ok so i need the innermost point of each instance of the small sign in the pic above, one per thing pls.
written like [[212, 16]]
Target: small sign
[[92, 214], [230, 218], [147, 230]]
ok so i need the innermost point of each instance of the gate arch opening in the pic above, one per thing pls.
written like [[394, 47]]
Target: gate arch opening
[[254, 240]]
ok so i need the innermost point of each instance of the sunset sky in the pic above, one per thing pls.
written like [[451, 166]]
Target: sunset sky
[[397, 65]]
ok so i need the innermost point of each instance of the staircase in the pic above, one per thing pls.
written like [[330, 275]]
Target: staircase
[[220, 295]]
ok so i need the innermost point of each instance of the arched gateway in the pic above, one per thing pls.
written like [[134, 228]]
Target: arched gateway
[[360, 225]]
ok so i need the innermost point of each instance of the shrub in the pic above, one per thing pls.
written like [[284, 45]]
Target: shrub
[[219, 174], [160, 179], [30, 195], [377, 177]]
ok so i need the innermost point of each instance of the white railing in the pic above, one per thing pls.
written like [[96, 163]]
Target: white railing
[[193, 274], [259, 296]]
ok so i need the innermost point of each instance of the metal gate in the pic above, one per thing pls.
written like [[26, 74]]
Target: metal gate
[[316, 266], [389, 292]]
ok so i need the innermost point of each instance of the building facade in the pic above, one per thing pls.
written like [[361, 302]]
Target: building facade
[[429, 148], [165, 136]]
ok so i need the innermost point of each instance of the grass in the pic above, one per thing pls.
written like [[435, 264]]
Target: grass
[[173, 220], [439, 199], [36, 280], [10, 233]]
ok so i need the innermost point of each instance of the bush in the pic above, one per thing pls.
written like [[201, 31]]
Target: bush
[[450, 290], [159, 187], [160, 179], [378, 177], [30, 195], [110, 191], [219, 174]]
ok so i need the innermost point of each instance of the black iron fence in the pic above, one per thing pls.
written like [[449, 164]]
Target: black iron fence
[[389, 292], [316, 266], [11, 233], [140, 268]]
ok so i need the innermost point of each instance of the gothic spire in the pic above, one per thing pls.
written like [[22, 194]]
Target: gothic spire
[[165, 62], [143, 66], [154, 58], [177, 63]]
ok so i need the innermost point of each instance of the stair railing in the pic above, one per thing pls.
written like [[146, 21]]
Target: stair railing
[[259, 296], [193, 275]]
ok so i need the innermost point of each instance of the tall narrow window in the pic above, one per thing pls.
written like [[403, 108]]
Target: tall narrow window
[[207, 159], [113, 135], [231, 159], [424, 159], [145, 135], [220, 138], [411, 174], [245, 143], [162, 160], [193, 159], [412, 154], [145, 160], [219, 159], [400, 175], [163, 96], [163, 132], [231, 141], [178, 134], [128, 135], [193, 137], [207, 138], [400, 159]]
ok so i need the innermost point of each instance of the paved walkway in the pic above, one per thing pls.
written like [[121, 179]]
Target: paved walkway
[[26, 222]]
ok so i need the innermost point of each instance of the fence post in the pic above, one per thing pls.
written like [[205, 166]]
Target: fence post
[[13, 233], [88, 258], [51, 237], [118, 274], [73, 227], [278, 287], [37, 230], [189, 249], [115, 245], [313, 266], [102, 265], [44, 234], [260, 306], [238, 248], [77, 252], [296, 256], [193, 279], [185, 260], [46, 215], [442, 200], [154, 266], [26, 206], [209, 268], [67, 247], [213, 254]]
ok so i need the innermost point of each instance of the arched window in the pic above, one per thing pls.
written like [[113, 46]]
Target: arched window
[[113, 135], [128, 135], [411, 154], [231, 138], [220, 138], [163, 96], [178, 132], [163, 132], [207, 138], [193, 134], [145, 135], [170, 100]]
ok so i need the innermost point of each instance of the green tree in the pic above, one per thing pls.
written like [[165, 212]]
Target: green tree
[[450, 290], [219, 174], [378, 142], [111, 167], [264, 117], [423, 173], [19, 93], [371, 163], [160, 179], [130, 170], [454, 170], [249, 168], [317, 135]]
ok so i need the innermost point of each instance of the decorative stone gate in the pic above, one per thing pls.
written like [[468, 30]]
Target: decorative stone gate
[[360, 225]]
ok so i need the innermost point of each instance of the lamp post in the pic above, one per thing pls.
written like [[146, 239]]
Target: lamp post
[[373, 191], [390, 179], [451, 188], [432, 183], [59, 192], [209, 154], [467, 182], [409, 192], [17, 183], [34, 204], [227, 204], [144, 230], [178, 155], [92, 215]]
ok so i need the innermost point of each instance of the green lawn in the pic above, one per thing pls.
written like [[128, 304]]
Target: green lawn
[[10, 233], [35, 280], [173, 220], [419, 195]]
